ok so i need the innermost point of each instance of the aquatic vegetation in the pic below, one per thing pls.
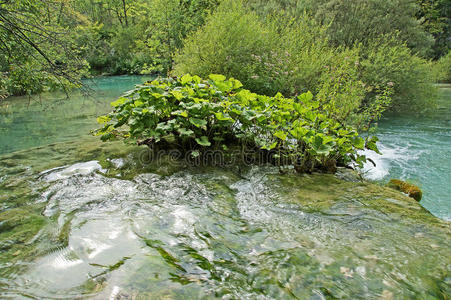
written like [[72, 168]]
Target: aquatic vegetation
[[410, 189], [197, 115]]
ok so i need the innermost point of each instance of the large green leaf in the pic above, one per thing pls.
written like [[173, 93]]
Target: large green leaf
[[197, 122], [203, 141], [118, 102], [103, 119], [185, 79], [358, 142], [281, 135], [185, 132], [221, 117], [217, 78]]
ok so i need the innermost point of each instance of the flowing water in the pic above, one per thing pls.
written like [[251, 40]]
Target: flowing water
[[84, 219], [418, 149]]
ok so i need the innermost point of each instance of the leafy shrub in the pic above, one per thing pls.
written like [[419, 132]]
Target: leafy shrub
[[233, 42], [279, 53], [29, 78], [351, 22], [442, 68], [198, 114], [387, 62]]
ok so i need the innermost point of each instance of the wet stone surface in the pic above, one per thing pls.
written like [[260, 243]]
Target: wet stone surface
[[106, 227]]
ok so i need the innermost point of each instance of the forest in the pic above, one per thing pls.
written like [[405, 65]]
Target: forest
[[270, 46]]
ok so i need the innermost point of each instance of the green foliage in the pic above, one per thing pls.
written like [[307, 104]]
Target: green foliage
[[217, 113], [434, 17], [281, 55], [230, 43], [170, 22], [350, 22], [142, 40], [442, 68], [387, 62], [36, 53], [293, 55], [361, 21]]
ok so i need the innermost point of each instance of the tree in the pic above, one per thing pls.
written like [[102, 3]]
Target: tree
[[170, 22], [35, 50], [435, 17], [352, 22]]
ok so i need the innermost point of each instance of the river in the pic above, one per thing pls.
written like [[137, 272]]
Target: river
[[418, 149], [85, 219]]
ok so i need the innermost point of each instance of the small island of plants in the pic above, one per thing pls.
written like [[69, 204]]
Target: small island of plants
[[193, 114]]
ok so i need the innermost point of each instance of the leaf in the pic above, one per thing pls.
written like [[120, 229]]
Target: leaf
[[371, 144], [203, 141], [246, 96], [224, 86], [299, 132], [217, 78], [236, 83], [270, 147], [186, 78], [103, 119], [118, 102], [319, 146], [221, 117], [358, 142], [281, 135], [177, 95], [197, 122], [185, 132], [306, 97], [310, 115], [197, 79]]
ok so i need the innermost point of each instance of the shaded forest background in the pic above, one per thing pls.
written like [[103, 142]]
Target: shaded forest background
[[287, 46]]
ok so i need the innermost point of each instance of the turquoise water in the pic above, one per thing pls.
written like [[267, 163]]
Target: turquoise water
[[415, 148], [26, 123], [84, 219], [418, 149]]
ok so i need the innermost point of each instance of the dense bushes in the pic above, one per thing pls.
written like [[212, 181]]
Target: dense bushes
[[146, 43], [442, 68], [387, 61], [289, 57], [351, 22], [276, 53], [195, 114]]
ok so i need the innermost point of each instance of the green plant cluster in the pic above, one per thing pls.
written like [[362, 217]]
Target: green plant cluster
[[279, 52], [218, 113], [442, 69]]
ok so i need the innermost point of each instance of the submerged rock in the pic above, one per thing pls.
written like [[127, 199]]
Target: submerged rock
[[133, 231]]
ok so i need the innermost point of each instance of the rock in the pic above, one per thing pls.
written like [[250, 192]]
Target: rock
[[412, 190]]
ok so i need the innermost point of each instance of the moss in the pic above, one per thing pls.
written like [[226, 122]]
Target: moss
[[412, 190], [18, 227]]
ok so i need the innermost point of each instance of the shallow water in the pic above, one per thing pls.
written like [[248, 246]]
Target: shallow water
[[418, 149], [93, 230], [85, 219], [26, 123]]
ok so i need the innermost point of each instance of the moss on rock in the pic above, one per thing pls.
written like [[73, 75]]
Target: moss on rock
[[410, 189]]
